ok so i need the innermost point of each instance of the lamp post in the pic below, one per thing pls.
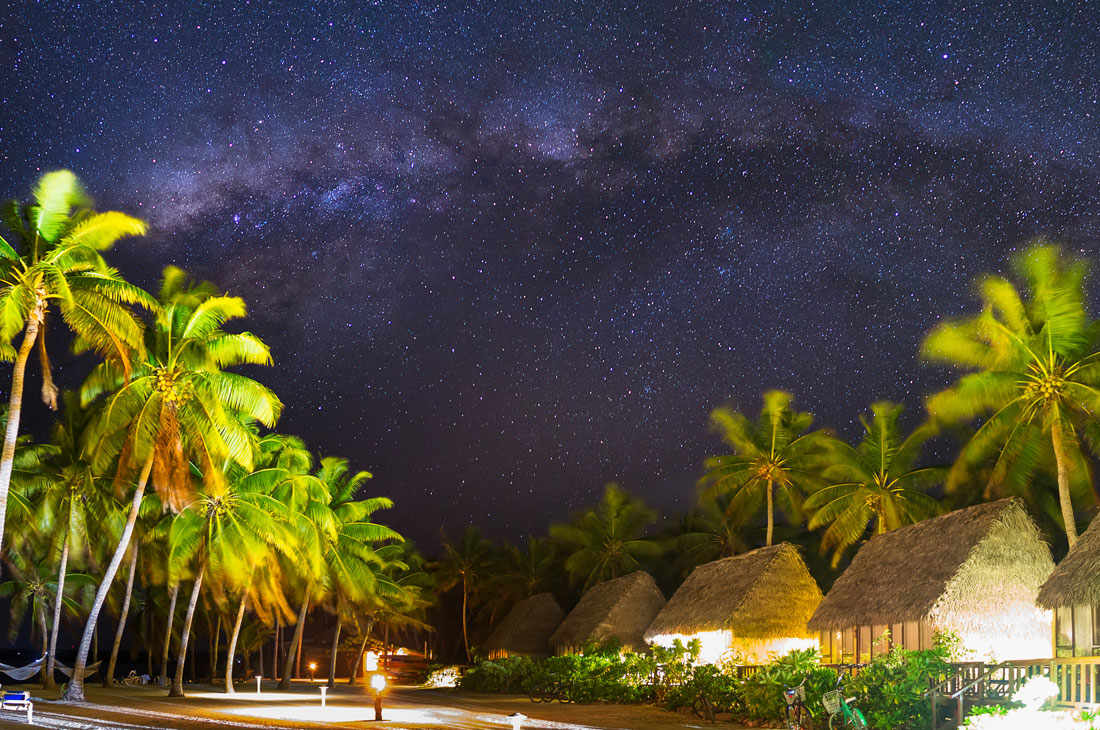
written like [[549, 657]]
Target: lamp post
[[378, 683], [312, 670]]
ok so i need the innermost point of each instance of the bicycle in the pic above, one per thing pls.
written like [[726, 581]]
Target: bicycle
[[841, 712], [702, 707], [548, 692], [795, 712]]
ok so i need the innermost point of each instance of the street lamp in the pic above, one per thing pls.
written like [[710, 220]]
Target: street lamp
[[378, 683], [312, 670]]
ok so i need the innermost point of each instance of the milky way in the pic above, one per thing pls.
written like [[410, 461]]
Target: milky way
[[507, 252]]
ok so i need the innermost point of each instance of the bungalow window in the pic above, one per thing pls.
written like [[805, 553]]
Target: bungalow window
[[863, 644], [911, 639], [1095, 630], [1063, 631], [848, 645]]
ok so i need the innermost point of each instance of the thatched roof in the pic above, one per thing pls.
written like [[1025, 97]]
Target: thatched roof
[[621, 608], [763, 594], [959, 567], [1076, 580], [527, 626]]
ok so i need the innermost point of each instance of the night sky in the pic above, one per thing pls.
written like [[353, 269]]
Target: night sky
[[506, 252]]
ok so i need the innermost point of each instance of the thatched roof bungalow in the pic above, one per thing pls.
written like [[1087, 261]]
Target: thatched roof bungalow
[[616, 609], [1073, 592], [747, 606], [526, 628], [975, 572]]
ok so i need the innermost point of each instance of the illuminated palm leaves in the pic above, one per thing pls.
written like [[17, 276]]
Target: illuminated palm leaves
[[876, 486], [608, 540], [1032, 382], [774, 460], [179, 405]]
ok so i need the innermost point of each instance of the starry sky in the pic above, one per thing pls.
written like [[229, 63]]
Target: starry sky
[[506, 252]]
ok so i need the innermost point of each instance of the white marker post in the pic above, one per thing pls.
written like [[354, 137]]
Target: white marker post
[[258, 678], [323, 691]]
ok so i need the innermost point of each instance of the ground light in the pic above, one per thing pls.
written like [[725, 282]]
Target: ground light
[[517, 720], [258, 678], [378, 684], [323, 691]]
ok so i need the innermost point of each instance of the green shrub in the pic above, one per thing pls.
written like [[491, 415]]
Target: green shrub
[[501, 676]]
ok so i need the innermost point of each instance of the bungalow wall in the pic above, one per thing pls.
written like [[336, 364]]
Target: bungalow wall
[[1023, 641], [863, 643], [719, 646]]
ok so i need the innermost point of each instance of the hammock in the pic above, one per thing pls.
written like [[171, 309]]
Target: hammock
[[22, 674], [68, 671]]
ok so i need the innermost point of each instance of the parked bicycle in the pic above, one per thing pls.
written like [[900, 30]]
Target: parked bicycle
[[702, 706], [841, 712], [796, 713], [550, 691]]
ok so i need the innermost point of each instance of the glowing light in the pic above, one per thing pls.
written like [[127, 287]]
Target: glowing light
[[371, 661], [378, 682], [402, 651], [716, 647], [445, 677], [1035, 692]]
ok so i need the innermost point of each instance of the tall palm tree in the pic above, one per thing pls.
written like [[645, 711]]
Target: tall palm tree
[[1032, 379], [465, 564], [54, 258], [876, 487], [608, 540], [776, 460], [177, 406]]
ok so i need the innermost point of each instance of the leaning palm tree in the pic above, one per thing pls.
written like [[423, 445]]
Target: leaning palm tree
[[877, 486], [177, 406], [608, 540], [54, 259], [1032, 380], [775, 460]]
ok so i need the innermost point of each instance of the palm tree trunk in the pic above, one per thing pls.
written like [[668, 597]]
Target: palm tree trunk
[[214, 650], [233, 639], [177, 681], [359, 657], [335, 646], [57, 603], [771, 514], [1064, 498], [109, 675], [75, 690], [278, 638], [298, 654], [284, 682], [260, 657], [45, 634], [174, 592], [465, 636], [15, 408]]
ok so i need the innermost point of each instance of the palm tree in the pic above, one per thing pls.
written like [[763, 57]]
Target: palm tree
[[178, 406], [233, 525], [774, 459], [1032, 379], [463, 564], [55, 258], [608, 540], [337, 540], [877, 486], [705, 534]]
